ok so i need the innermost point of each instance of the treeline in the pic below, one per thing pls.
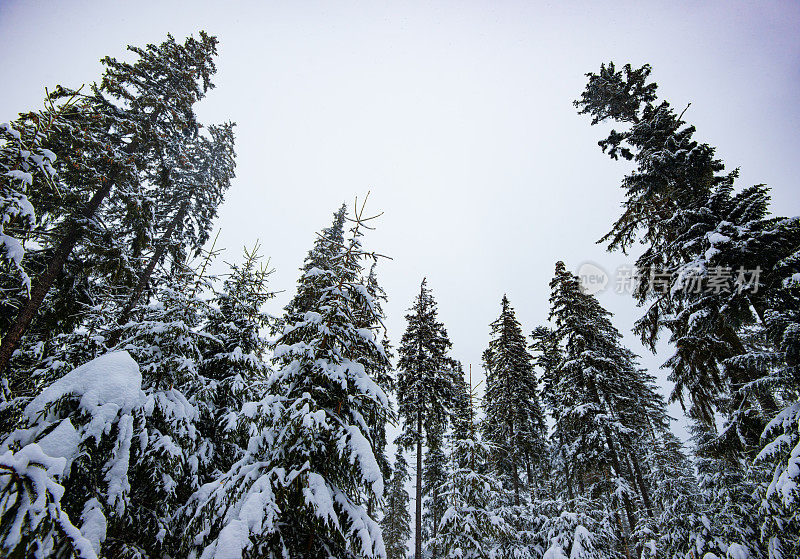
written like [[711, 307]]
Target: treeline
[[150, 409]]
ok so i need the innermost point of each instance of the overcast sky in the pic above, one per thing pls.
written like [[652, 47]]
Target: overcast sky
[[457, 116]]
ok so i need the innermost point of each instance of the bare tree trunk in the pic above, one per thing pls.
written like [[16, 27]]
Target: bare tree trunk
[[45, 281]]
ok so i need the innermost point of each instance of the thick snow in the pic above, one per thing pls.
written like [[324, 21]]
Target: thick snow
[[61, 442], [12, 248], [106, 387], [93, 523], [554, 552], [40, 505], [361, 450]]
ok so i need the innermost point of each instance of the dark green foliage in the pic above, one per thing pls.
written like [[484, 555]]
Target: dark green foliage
[[514, 422], [426, 390]]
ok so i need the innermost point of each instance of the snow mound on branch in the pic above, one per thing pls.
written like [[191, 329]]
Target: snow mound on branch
[[61, 442], [554, 552], [106, 386]]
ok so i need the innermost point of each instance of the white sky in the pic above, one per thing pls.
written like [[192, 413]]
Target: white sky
[[457, 116]]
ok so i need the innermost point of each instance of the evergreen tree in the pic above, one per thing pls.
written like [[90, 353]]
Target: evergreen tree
[[23, 161], [514, 421], [65, 482], [328, 246], [396, 523], [112, 136], [471, 528], [309, 470], [727, 522], [779, 455], [175, 452], [697, 232], [732, 338], [373, 318], [425, 389], [606, 402], [675, 493], [194, 175], [233, 361], [547, 356]]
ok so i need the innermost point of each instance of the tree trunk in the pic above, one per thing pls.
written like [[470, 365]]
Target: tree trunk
[[529, 471], [515, 467], [637, 472], [144, 277], [618, 470], [570, 493], [418, 521], [45, 281], [615, 462]]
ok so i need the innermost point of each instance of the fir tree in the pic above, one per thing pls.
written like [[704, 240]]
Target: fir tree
[[310, 468], [194, 175], [23, 161], [123, 126], [328, 246], [167, 343], [65, 482], [373, 318], [547, 356], [424, 385], [233, 361], [732, 342], [727, 521], [514, 421], [696, 230], [471, 527], [606, 401], [675, 493]]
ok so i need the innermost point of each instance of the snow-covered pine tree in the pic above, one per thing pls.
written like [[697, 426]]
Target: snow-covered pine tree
[[514, 422], [191, 177], [396, 523], [233, 361], [696, 230], [425, 390], [84, 143], [606, 402], [64, 473], [302, 486], [675, 494], [116, 134], [547, 356], [780, 456], [23, 162], [727, 522], [328, 246], [471, 526], [582, 534], [34, 524], [166, 338], [374, 318]]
